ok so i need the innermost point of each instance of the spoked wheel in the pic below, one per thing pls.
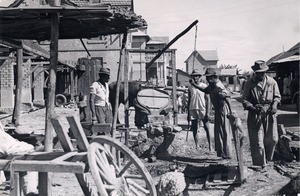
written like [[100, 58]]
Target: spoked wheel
[[117, 170]]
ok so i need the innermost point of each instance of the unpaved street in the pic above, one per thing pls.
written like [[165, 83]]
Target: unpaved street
[[194, 163]]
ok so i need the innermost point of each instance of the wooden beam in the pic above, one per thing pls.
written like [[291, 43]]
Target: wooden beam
[[18, 96], [78, 133], [126, 88], [170, 43], [174, 89], [121, 66], [48, 166], [44, 180]]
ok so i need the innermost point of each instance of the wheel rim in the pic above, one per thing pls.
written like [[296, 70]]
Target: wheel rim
[[120, 172]]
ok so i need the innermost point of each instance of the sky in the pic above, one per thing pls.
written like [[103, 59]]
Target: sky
[[241, 31]]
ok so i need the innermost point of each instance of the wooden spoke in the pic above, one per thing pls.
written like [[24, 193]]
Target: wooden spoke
[[120, 170], [133, 176], [130, 182], [124, 168], [136, 192]]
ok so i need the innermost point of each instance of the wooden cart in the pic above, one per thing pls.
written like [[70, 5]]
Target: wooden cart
[[103, 167]]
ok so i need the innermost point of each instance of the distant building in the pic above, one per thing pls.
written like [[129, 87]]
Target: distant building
[[201, 59], [286, 64]]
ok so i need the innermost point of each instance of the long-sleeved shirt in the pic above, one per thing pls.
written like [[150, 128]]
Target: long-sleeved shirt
[[265, 92]]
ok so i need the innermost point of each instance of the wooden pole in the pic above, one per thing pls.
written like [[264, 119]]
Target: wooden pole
[[18, 95], [44, 179], [174, 88], [126, 89], [170, 43], [121, 66]]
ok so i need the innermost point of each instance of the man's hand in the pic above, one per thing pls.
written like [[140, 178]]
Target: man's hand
[[256, 109], [273, 109], [192, 82]]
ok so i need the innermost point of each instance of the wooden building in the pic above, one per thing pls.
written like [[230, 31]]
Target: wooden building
[[201, 59]]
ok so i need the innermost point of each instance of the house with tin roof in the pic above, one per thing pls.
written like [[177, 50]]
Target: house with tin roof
[[202, 59]]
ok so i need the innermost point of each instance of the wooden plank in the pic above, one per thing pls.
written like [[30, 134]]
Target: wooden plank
[[101, 128], [47, 166], [232, 171], [78, 133], [64, 157], [62, 135]]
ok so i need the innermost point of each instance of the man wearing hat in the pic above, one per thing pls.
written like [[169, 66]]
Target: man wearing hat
[[198, 105], [220, 99], [260, 97], [99, 102]]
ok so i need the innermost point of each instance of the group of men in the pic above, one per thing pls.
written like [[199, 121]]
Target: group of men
[[260, 97]]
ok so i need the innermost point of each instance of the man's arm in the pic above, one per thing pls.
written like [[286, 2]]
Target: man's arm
[[92, 106], [201, 88], [188, 104], [276, 100]]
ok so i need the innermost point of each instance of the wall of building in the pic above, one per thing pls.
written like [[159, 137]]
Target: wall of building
[[7, 84]]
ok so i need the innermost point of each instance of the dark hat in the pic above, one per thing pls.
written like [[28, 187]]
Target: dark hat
[[196, 72], [104, 71], [210, 71], [260, 66]]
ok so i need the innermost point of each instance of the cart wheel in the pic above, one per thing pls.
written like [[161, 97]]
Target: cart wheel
[[60, 100], [120, 172]]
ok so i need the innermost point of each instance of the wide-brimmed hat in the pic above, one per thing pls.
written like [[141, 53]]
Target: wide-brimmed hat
[[104, 71], [210, 71], [196, 72], [260, 66]]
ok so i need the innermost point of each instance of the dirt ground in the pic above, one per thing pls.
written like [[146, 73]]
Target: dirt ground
[[194, 163]]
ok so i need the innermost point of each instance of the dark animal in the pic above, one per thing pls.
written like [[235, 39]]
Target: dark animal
[[141, 112], [134, 87]]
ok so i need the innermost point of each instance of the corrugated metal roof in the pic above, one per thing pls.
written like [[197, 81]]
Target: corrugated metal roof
[[294, 51], [288, 59]]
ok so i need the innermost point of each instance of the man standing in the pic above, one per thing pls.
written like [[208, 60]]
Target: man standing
[[198, 104], [99, 102], [260, 97], [220, 99]]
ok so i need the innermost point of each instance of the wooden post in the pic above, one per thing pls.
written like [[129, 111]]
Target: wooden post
[[44, 179], [72, 84], [126, 89], [121, 66], [18, 95], [174, 88]]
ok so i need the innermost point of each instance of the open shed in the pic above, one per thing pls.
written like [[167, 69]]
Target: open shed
[[56, 20]]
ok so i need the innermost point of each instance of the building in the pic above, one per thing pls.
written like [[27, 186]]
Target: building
[[202, 59], [286, 64], [100, 42]]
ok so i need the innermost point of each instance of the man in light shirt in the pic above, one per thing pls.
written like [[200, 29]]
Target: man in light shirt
[[99, 102], [198, 105]]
